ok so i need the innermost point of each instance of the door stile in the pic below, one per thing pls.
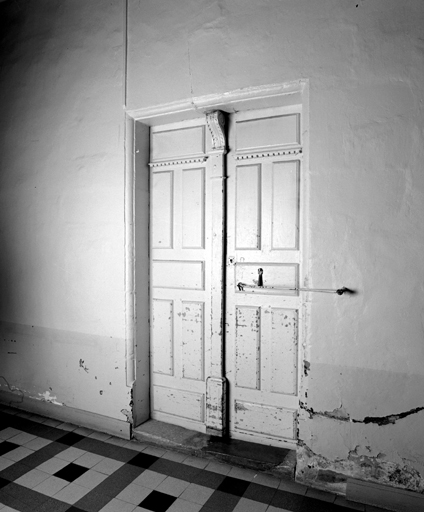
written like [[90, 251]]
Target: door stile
[[216, 383]]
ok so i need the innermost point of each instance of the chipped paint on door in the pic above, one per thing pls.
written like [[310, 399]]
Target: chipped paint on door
[[180, 273], [263, 242]]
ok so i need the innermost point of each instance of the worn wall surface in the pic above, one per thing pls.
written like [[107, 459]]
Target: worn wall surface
[[62, 201], [362, 388], [61, 204]]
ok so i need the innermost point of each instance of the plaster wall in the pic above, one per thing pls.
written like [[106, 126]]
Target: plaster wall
[[61, 205], [362, 387], [62, 301]]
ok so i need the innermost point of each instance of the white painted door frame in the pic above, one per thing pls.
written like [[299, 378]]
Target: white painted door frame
[[137, 302]]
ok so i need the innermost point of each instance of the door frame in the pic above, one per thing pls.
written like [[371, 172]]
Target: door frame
[[136, 206]]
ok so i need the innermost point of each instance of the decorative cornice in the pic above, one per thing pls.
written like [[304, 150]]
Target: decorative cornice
[[183, 161], [216, 121], [264, 154]]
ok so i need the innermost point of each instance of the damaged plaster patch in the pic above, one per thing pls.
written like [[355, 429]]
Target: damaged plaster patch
[[336, 414], [81, 365], [45, 397], [320, 472], [127, 414]]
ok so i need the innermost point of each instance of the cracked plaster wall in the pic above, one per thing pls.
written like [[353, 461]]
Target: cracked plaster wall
[[61, 205], [365, 64], [61, 182]]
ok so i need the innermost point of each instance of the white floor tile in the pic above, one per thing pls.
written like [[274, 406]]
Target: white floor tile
[[197, 494], [243, 474], [153, 450], [69, 427], [116, 505], [217, 467], [108, 466], [88, 459], [37, 443], [196, 462], [90, 479], [51, 486], [134, 494], [149, 479], [135, 445], [5, 463], [181, 505], [71, 493], [71, 454], [245, 505], [100, 436], [173, 486], [32, 478], [9, 432], [117, 441], [174, 456], [53, 465], [18, 453], [51, 422]]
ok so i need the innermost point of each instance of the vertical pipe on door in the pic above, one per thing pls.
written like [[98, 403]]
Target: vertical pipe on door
[[216, 384]]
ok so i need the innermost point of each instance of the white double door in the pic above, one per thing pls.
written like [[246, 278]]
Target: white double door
[[225, 263]]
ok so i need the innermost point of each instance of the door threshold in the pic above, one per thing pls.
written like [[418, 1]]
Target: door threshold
[[279, 462]]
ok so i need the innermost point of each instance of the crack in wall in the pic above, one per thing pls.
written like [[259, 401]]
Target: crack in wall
[[390, 419], [342, 415]]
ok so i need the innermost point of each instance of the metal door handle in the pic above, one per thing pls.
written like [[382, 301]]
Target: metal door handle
[[339, 291]]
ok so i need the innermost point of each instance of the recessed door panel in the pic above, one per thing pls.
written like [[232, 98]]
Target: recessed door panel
[[262, 292], [180, 283]]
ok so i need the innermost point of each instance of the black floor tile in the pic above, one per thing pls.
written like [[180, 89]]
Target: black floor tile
[[70, 438], [51, 433], [12, 502], [260, 493], [116, 482], [25, 495], [222, 501], [208, 479], [105, 449], [43, 454], [52, 505], [157, 501], [14, 471], [314, 505], [233, 486], [6, 447], [287, 501], [71, 472], [143, 460], [94, 501], [175, 469], [3, 482]]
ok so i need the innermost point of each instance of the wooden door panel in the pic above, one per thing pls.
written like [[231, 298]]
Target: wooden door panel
[[180, 273], [262, 315]]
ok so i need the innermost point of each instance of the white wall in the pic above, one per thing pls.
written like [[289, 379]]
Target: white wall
[[62, 200], [61, 204], [365, 64]]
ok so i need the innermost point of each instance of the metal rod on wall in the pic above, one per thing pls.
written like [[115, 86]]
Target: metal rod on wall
[[339, 291]]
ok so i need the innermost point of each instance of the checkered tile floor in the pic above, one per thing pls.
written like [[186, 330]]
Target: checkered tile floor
[[48, 466]]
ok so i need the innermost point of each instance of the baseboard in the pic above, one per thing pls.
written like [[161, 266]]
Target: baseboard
[[78, 417], [383, 496]]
